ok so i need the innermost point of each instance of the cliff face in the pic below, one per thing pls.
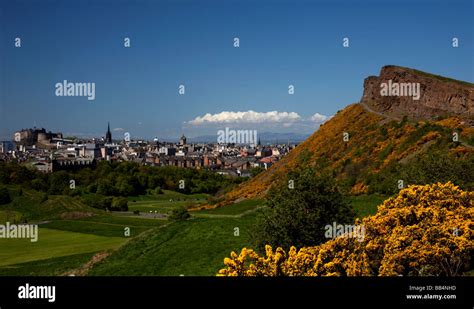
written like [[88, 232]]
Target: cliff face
[[439, 96]]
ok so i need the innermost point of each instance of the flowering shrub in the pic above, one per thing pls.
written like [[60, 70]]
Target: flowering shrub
[[424, 230]]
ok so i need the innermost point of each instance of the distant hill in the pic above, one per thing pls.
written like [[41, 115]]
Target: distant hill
[[265, 138], [390, 138]]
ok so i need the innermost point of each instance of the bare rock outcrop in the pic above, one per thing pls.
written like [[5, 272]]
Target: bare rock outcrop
[[439, 96]]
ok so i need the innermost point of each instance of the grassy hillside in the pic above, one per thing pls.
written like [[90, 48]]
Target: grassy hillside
[[376, 145], [196, 247], [97, 226], [55, 266], [192, 248], [164, 203], [69, 233], [155, 246], [31, 205], [53, 243]]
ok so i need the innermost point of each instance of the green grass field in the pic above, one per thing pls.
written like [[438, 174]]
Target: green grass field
[[47, 267], [198, 246], [124, 219], [162, 207], [53, 243], [233, 209], [155, 247], [194, 247], [164, 203], [100, 228], [62, 243]]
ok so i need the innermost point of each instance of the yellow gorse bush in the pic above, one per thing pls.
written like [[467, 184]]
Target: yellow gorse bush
[[424, 230]]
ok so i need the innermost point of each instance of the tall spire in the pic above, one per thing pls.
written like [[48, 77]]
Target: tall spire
[[108, 135]]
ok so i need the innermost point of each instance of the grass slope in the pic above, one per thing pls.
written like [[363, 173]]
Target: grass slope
[[374, 144], [32, 207], [198, 246], [234, 209], [194, 247], [48, 267], [100, 228], [53, 243], [164, 203]]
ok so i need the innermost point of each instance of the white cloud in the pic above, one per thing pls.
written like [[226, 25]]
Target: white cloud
[[246, 117], [317, 117], [273, 121], [117, 130]]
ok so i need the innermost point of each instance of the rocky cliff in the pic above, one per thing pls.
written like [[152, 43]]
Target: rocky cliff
[[439, 96]]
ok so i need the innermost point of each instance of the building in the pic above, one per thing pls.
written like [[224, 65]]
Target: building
[[264, 152], [6, 146], [182, 140], [265, 162], [29, 137], [106, 152], [43, 166], [71, 164], [108, 135], [167, 151], [90, 150]]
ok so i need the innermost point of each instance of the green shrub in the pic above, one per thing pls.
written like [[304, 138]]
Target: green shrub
[[43, 197], [296, 215], [179, 214], [4, 196], [119, 204]]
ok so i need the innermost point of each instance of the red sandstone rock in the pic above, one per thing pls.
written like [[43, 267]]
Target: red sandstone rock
[[440, 96]]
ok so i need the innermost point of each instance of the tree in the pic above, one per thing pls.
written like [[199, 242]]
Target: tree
[[92, 188], [39, 184], [179, 214], [299, 210], [43, 197], [158, 191], [119, 204], [124, 188], [105, 187], [4, 196], [58, 181], [98, 201]]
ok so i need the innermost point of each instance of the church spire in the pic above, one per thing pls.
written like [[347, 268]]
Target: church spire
[[108, 135]]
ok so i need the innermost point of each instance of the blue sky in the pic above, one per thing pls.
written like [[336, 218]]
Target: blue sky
[[191, 43]]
